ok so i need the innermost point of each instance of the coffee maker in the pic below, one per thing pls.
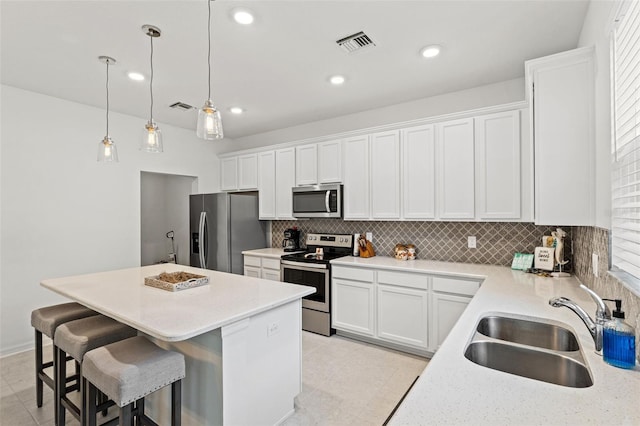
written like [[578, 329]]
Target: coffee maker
[[291, 240]]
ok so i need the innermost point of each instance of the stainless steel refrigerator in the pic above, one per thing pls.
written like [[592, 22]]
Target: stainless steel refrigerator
[[222, 227]]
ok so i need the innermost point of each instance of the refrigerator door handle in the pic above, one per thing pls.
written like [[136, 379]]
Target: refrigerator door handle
[[201, 237], [326, 201]]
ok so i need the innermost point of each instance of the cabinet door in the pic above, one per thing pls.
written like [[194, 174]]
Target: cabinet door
[[248, 171], [454, 151], [385, 175], [267, 185], [252, 271], [330, 162], [307, 164], [403, 315], [356, 178], [418, 173], [564, 143], [446, 309], [270, 274], [229, 174], [285, 181], [352, 303], [497, 144]]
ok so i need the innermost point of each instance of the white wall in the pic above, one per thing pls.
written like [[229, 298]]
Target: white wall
[[62, 213], [595, 33], [478, 97]]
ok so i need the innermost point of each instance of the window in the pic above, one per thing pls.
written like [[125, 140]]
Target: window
[[625, 179]]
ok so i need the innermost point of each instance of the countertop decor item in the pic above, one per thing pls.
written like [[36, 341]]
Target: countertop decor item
[[559, 236], [151, 136], [365, 247], [107, 152], [209, 120], [176, 281]]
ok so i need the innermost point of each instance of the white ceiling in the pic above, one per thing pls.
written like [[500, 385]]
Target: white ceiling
[[277, 68]]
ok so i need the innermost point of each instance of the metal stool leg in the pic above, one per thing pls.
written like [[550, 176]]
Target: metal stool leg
[[39, 368], [125, 415], [90, 403], [60, 366], [176, 402]]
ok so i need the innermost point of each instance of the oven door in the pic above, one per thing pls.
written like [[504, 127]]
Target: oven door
[[312, 275]]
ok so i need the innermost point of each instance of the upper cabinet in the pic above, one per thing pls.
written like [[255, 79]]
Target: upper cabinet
[[285, 180], [497, 148], [455, 156], [229, 174], [385, 175], [561, 91], [239, 173], [267, 185], [318, 164], [418, 173], [356, 178]]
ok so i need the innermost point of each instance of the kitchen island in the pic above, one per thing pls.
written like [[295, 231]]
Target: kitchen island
[[241, 338], [453, 390]]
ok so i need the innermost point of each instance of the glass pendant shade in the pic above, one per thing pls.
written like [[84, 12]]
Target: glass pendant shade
[[151, 140], [107, 152], [209, 122]]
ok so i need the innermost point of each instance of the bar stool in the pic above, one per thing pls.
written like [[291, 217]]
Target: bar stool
[[126, 372], [45, 321], [76, 338]]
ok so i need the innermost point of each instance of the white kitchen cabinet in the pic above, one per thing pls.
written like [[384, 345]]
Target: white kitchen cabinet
[[330, 162], [418, 172], [456, 180], [497, 152], [356, 178], [403, 315], [248, 172], [285, 181], [353, 306], [561, 91], [252, 271], [307, 164], [385, 175], [267, 185], [257, 266], [229, 174]]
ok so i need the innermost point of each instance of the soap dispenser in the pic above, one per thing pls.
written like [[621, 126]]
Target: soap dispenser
[[619, 339]]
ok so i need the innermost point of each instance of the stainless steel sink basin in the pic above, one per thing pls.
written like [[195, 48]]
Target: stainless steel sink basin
[[526, 332], [529, 347], [534, 364]]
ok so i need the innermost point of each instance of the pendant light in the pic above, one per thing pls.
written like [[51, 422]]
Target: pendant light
[[209, 120], [151, 136], [107, 152]]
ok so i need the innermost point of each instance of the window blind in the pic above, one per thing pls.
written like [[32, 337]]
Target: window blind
[[625, 179]]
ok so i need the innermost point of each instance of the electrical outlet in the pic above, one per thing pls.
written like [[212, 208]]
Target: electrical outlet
[[594, 264], [471, 242], [273, 328], [369, 236]]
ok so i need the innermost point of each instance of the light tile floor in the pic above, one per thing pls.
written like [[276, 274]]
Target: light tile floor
[[344, 382]]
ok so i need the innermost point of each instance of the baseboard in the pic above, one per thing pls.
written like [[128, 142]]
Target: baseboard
[[389, 345], [14, 350]]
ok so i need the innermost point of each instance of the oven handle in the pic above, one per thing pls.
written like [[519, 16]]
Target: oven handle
[[303, 266]]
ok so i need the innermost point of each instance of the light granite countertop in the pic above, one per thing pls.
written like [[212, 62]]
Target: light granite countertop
[[180, 315], [271, 253], [454, 390]]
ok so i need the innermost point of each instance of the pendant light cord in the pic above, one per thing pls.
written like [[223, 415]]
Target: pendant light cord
[[107, 85], [151, 82], [209, 52]]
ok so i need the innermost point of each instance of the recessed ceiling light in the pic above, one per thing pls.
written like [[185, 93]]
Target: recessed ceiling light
[[236, 110], [243, 16], [430, 51], [136, 76], [337, 80]]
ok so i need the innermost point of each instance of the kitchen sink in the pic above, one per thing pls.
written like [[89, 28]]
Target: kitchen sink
[[529, 347], [534, 364], [527, 332]]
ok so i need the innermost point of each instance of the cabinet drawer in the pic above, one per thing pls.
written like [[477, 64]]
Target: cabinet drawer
[[271, 263], [403, 279], [455, 285], [251, 261], [356, 274]]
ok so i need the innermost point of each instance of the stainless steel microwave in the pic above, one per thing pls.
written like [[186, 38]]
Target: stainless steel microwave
[[317, 201]]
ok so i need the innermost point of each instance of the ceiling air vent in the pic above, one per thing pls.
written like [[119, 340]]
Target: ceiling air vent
[[356, 42], [181, 105]]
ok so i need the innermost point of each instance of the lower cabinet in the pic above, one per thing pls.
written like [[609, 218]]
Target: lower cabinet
[[262, 267], [405, 309]]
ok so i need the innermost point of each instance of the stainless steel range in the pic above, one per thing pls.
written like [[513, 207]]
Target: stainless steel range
[[313, 269]]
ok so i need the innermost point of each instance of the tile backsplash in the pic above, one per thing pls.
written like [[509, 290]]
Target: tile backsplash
[[446, 241]]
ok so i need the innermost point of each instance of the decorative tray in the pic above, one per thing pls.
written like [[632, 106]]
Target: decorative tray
[[176, 281]]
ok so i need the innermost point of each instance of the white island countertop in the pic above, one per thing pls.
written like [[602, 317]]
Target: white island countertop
[[175, 316], [454, 390]]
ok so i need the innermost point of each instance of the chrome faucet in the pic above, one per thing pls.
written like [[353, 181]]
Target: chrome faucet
[[603, 314]]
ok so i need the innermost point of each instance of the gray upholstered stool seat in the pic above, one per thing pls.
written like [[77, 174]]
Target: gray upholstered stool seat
[[76, 338], [129, 370], [45, 321]]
